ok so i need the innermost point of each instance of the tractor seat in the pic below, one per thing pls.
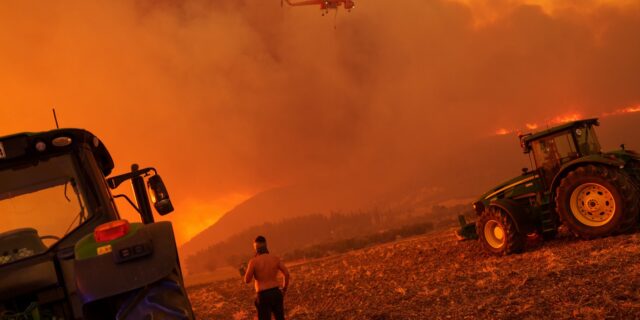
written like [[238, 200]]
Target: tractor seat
[[21, 243]]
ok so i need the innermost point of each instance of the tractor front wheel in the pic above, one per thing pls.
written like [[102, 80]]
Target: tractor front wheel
[[595, 201], [163, 300], [498, 233]]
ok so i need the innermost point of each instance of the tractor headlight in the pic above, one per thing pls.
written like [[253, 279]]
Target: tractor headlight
[[478, 207], [41, 146], [61, 141]]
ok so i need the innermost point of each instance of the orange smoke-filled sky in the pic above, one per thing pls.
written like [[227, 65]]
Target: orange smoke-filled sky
[[228, 98]]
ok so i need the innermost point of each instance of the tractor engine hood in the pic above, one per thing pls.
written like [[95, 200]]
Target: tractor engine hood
[[27, 276], [623, 155], [505, 187]]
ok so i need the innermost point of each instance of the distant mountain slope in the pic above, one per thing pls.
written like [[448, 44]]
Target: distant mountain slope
[[467, 172], [275, 205]]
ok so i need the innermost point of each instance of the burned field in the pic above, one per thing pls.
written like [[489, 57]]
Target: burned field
[[434, 276]]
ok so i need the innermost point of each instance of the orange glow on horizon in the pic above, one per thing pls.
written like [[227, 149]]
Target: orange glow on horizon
[[200, 215], [192, 216]]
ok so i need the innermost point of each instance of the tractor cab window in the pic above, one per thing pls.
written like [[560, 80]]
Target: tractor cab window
[[587, 140], [39, 204], [552, 152]]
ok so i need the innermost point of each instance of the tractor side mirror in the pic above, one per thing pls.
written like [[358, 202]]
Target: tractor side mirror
[[159, 195]]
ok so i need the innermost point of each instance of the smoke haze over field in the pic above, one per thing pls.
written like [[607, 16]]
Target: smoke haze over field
[[229, 98]]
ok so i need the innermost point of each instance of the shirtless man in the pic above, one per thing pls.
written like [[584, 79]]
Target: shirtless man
[[264, 268]]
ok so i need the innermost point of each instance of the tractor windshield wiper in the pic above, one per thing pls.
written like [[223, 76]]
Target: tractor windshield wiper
[[65, 191], [81, 216]]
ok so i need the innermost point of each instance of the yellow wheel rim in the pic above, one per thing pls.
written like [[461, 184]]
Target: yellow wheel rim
[[494, 234], [592, 204]]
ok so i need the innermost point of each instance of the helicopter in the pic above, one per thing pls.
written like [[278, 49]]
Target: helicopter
[[325, 5]]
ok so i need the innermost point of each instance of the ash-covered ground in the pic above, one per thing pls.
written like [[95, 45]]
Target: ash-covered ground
[[436, 277]]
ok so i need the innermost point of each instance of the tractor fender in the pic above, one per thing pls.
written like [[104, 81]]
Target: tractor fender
[[143, 258], [572, 165], [516, 212]]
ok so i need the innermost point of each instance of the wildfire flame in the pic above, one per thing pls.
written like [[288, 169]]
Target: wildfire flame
[[503, 132], [632, 109], [532, 126], [568, 118]]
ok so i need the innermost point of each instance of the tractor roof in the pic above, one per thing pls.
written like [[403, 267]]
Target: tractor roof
[[23, 145], [579, 123]]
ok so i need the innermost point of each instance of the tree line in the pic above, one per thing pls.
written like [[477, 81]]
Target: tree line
[[318, 235]]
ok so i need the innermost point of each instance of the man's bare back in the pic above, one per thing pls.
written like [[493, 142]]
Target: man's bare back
[[264, 268]]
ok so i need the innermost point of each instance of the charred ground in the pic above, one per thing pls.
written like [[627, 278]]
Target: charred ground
[[434, 276]]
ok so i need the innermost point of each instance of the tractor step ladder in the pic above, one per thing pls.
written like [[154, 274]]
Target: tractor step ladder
[[548, 219]]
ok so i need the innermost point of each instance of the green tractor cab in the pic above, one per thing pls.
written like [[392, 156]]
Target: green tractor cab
[[65, 252], [593, 193]]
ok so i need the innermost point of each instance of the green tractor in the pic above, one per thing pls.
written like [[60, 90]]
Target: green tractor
[[65, 252], [593, 193]]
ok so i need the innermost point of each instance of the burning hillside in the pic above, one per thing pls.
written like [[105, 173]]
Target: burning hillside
[[568, 118]]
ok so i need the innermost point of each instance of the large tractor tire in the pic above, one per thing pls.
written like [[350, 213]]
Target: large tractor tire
[[596, 201], [498, 233], [163, 300]]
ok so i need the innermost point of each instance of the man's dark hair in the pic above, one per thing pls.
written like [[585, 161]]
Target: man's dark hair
[[261, 245]]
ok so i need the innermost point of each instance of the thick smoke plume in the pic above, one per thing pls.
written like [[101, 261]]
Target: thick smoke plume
[[228, 98]]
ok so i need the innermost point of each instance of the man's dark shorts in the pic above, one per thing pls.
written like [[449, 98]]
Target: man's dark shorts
[[270, 301]]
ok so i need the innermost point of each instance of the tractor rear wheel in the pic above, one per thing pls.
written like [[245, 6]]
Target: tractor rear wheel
[[498, 233], [596, 201]]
